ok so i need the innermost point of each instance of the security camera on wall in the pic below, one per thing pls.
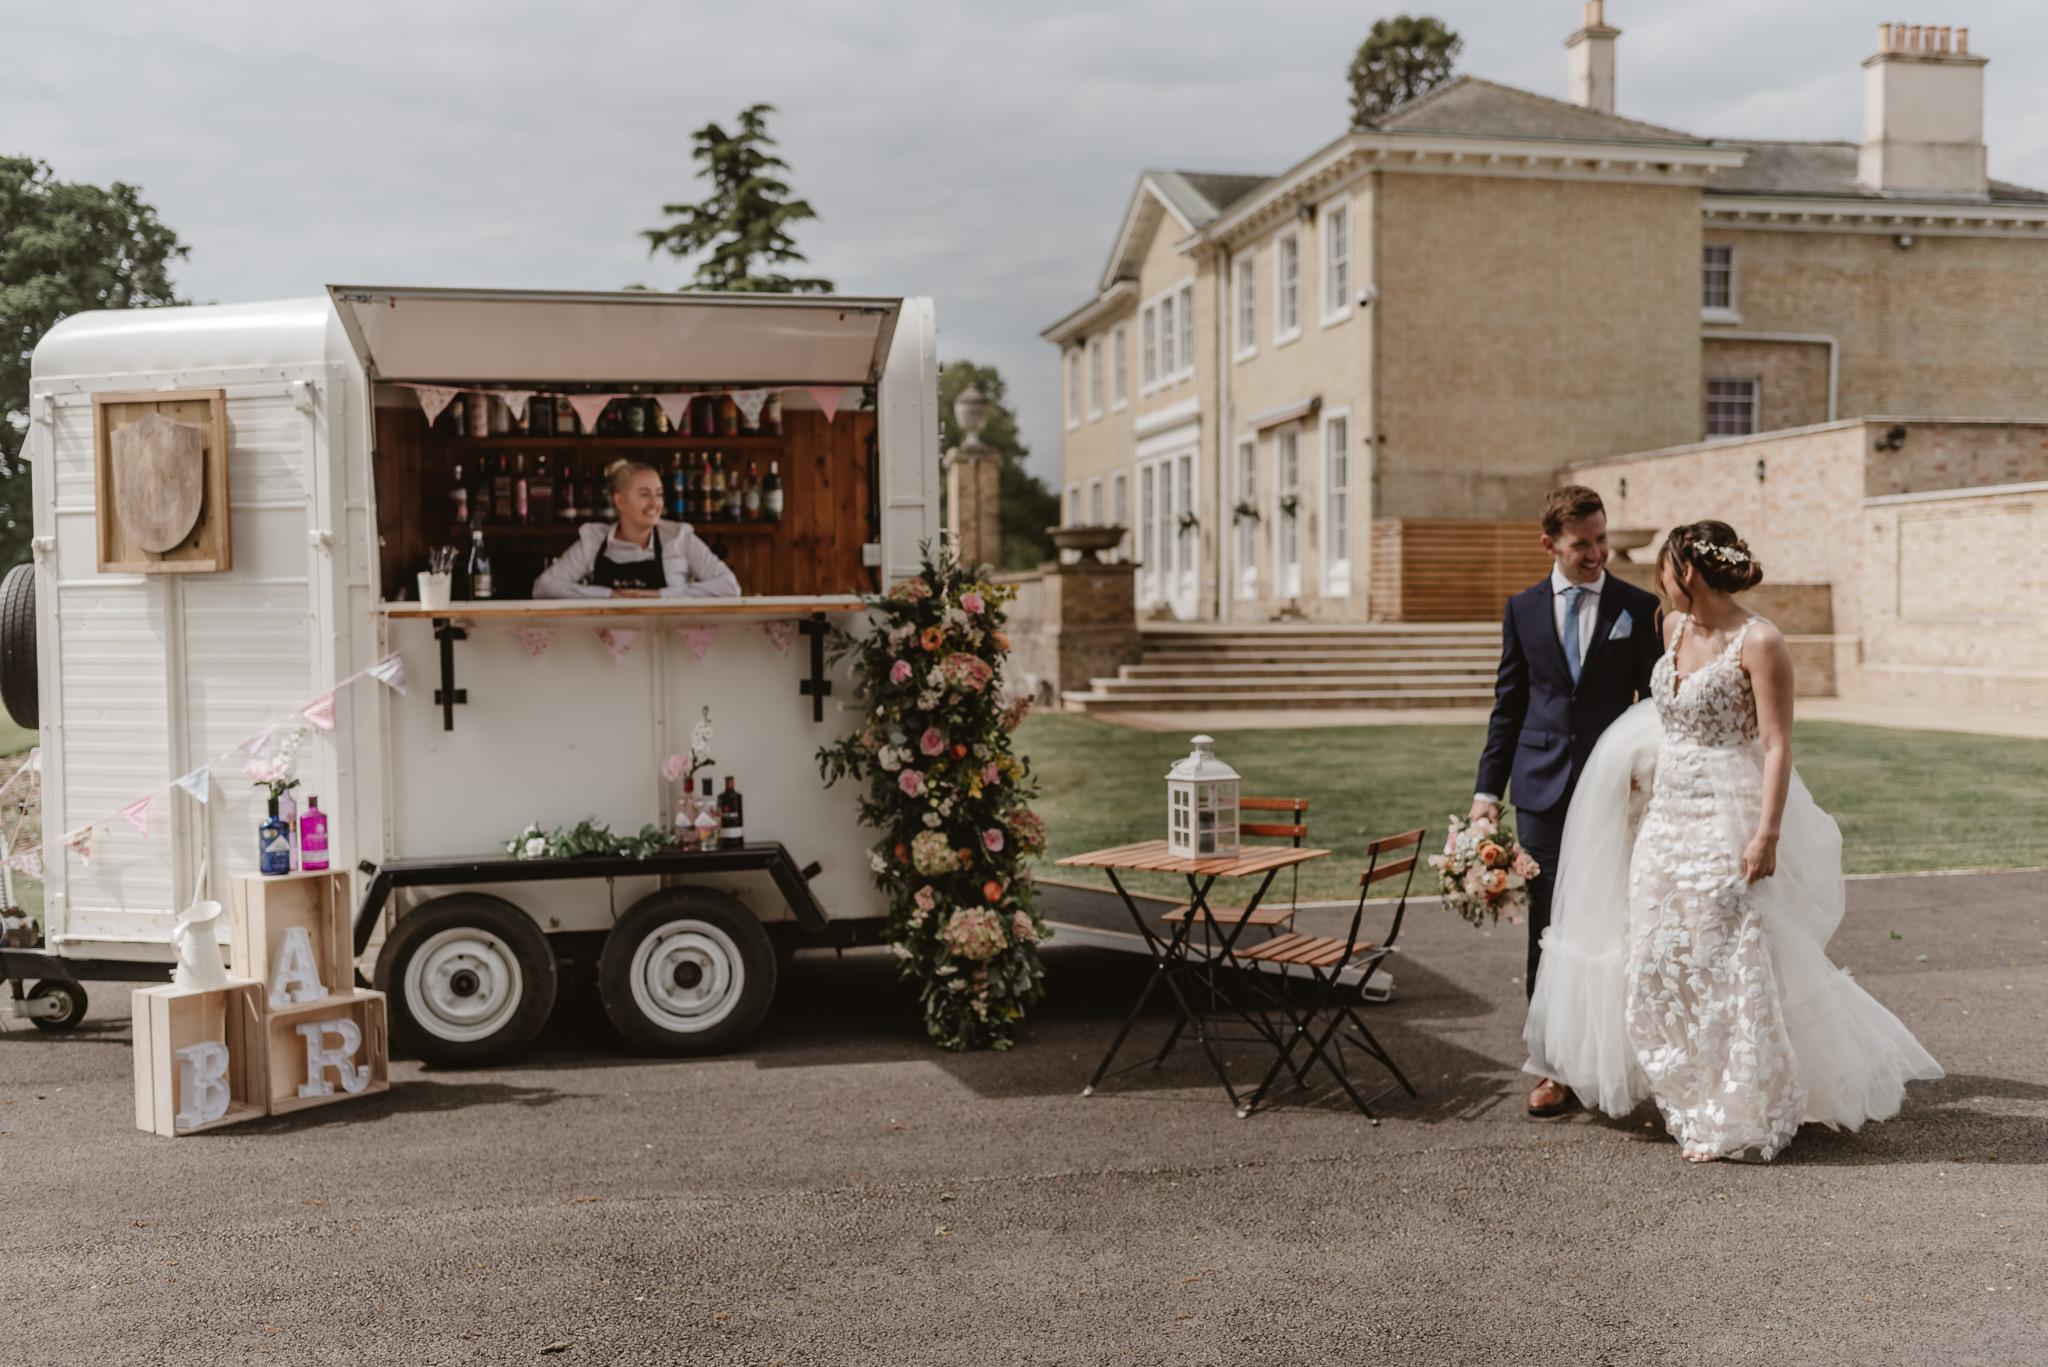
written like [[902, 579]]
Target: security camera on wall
[[1366, 294]]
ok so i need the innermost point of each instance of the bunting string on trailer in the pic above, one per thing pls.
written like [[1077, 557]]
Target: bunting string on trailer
[[617, 640], [698, 639], [780, 633], [830, 398]]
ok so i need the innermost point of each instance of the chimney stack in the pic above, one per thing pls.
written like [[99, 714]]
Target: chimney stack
[[1590, 59], [1923, 114]]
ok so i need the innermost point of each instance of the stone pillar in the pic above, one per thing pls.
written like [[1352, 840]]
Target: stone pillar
[[974, 476]]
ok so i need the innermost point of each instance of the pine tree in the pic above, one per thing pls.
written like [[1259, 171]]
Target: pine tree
[[745, 219], [65, 247], [1402, 59]]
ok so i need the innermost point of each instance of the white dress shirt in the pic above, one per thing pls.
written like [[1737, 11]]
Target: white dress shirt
[[1589, 607], [689, 566]]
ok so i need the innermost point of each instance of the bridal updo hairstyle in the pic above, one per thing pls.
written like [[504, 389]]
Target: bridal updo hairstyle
[[1714, 550]]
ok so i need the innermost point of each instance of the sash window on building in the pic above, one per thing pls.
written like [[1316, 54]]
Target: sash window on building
[[1148, 341], [1245, 526], [1094, 377], [1717, 277], [1337, 506], [1287, 287], [1287, 537], [1731, 408], [1247, 303], [1119, 366], [1336, 261]]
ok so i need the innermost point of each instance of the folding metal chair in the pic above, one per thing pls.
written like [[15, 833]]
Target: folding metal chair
[[1333, 1002]]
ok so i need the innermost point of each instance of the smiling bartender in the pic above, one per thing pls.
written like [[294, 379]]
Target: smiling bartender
[[641, 557]]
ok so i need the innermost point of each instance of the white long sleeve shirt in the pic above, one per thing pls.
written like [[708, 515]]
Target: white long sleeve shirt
[[687, 564]]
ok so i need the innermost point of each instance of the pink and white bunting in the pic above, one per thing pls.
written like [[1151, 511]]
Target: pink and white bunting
[[515, 401], [828, 397], [433, 398], [590, 407], [698, 639], [137, 813], [535, 639], [389, 671], [320, 711], [780, 633], [750, 403], [618, 640], [677, 406]]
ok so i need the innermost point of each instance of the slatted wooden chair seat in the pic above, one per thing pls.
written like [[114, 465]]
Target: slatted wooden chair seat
[[1315, 951], [1295, 830]]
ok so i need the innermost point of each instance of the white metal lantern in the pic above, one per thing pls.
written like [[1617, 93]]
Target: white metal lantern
[[1201, 806]]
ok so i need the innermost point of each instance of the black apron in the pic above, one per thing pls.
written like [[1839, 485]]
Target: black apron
[[640, 574]]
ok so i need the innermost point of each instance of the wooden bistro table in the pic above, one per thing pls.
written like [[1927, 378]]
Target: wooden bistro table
[[1172, 960]]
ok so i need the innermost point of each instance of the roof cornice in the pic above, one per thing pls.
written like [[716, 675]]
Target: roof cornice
[[1112, 301], [1843, 214], [1492, 154]]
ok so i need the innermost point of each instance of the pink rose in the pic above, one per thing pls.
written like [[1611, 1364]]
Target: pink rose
[[1525, 866], [970, 601], [1021, 929], [931, 742], [991, 773], [911, 782], [674, 767], [992, 840], [899, 672], [926, 899]]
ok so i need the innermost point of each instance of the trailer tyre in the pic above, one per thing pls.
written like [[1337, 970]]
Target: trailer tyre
[[64, 989], [18, 646], [470, 980], [687, 971]]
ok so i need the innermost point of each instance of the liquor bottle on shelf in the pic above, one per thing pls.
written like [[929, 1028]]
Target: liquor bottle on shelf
[[288, 812], [704, 415], [540, 494], [501, 417], [732, 821], [728, 416], [565, 506], [479, 568], [458, 417], [771, 495], [658, 415], [313, 837], [273, 844], [635, 415], [686, 817], [707, 819], [678, 488], [501, 492], [694, 473], [540, 416], [735, 494], [750, 423], [750, 494], [771, 416], [479, 413], [565, 419], [521, 505], [458, 499]]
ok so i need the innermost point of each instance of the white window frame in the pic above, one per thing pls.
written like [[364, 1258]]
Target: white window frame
[[1729, 312], [1120, 512], [1286, 249], [1169, 337], [1168, 316], [1245, 530], [1073, 505], [1148, 493], [1095, 508], [1286, 527], [1340, 484], [1336, 259], [1756, 404], [1148, 336], [1094, 379], [1119, 368], [1245, 302], [1186, 295], [1073, 388]]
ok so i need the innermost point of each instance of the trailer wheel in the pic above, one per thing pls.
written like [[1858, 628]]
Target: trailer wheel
[[470, 979], [64, 990], [18, 646], [687, 971]]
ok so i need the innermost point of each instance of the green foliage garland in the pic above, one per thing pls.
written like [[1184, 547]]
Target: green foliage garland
[[587, 837], [948, 797]]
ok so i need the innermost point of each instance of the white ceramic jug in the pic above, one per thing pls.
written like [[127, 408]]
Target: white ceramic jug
[[199, 966]]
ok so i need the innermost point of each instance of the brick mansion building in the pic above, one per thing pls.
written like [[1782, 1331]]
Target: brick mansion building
[[1343, 389]]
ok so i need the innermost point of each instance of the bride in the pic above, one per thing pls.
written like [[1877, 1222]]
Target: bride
[[1698, 885]]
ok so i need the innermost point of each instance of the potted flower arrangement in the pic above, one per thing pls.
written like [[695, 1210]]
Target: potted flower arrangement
[[948, 798]]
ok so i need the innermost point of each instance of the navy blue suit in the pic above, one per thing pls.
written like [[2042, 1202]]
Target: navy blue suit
[[1544, 726]]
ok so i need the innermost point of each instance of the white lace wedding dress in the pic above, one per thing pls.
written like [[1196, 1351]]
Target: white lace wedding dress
[[1666, 976]]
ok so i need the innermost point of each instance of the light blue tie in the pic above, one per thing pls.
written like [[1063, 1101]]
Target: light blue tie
[[1571, 630]]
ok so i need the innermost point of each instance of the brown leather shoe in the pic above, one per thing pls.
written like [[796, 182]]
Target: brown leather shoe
[[1550, 1098]]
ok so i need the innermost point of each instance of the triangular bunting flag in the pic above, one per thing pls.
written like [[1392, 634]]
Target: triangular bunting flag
[[28, 865], [80, 840], [138, 814], [750, 402], [589, 407], [535, 639], [827, 396], [697, 638], [389, 671], [434, 398], [618, 640], [320, 711], [677, 406], [259, 748], [197, 782], [515, 401], [780, 633]]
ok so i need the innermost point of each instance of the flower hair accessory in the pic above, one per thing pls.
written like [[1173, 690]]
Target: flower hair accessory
[[1727, 555]]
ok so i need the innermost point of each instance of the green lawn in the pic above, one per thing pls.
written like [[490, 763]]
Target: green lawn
[[14, 739], [1905, 799]]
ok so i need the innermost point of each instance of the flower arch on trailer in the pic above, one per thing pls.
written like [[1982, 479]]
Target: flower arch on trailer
[[949, 799]]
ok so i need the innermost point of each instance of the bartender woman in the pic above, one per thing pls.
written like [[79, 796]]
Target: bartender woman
[[641, 556]]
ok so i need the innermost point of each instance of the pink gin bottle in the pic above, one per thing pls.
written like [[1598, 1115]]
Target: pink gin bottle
[[313, 837]]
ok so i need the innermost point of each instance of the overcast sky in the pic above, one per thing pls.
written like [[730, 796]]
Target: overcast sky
[[978, 153]]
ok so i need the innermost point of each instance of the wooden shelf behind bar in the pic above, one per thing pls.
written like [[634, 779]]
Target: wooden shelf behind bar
[[767, 609], [513, 442], [566, 532]]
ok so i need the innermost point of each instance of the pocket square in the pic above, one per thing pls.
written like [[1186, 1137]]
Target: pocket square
[[1623, 625]]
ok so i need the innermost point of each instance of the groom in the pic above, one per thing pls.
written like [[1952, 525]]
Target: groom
[[1576, 651]]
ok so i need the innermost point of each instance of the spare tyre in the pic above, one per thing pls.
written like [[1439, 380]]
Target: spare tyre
[[18, 646]]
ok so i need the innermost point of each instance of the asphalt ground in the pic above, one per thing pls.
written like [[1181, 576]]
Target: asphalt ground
[[842, 1193]]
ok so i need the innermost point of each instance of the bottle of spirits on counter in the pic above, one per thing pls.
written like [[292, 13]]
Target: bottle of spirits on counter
[[458, 499], [686, 817], [313, 837], [750, 509], [522, 506], [732, 821], [707, 819], [288, 812], [273, 844], [771, 495], [479, 567]]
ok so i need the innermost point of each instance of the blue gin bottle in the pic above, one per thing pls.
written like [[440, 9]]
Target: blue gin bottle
[[273, 844]]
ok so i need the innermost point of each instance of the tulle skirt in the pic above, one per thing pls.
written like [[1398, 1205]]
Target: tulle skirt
[[1852, 1055]]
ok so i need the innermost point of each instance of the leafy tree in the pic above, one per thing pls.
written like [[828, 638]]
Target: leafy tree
[[65, 247], [1027, 507], [1401, 59], [747, 216]]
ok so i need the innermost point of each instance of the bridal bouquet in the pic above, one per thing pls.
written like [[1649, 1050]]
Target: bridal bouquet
[[1483, 872]]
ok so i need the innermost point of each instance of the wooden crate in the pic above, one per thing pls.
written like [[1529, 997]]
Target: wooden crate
[[285, 1052], [263, 909], [168, 1019], [206, 548]]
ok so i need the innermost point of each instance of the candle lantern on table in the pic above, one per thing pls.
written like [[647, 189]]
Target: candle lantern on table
[[1201, 806]]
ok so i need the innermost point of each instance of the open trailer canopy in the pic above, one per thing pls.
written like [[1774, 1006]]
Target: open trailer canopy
[[510, 336]]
